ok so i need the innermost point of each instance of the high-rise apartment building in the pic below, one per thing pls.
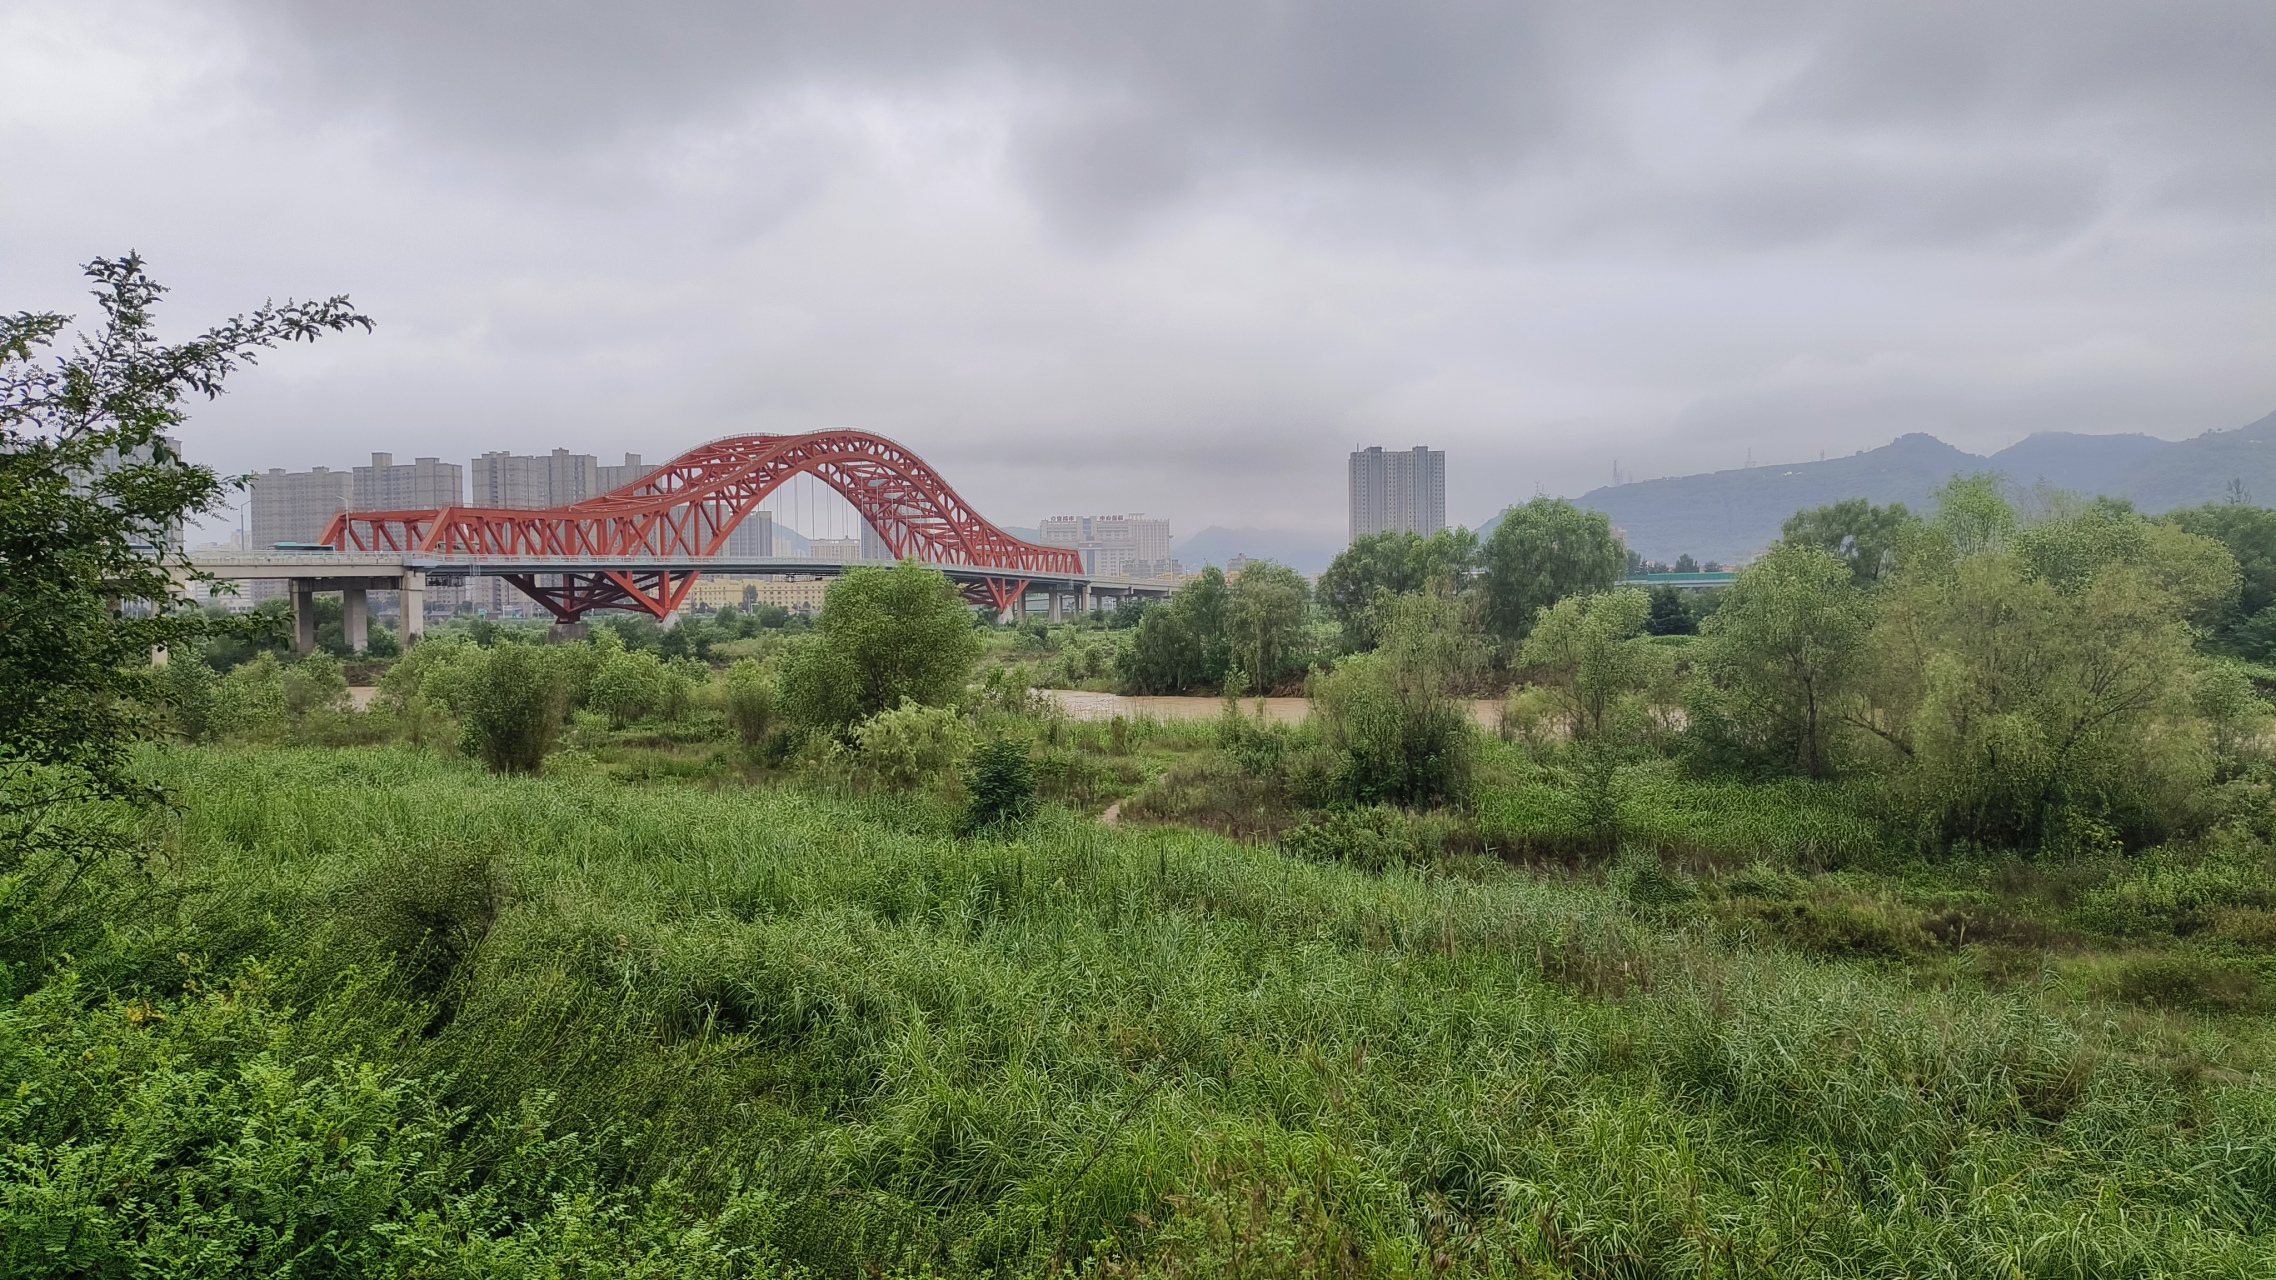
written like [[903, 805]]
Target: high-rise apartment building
[[753, 537], [293, 506], [1118, 545], [524, 481], [423, 485], [613, 478], [1403, 489], [296, 506], [834, 550], [501, 479]]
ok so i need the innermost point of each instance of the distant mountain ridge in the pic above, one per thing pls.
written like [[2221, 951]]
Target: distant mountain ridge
[[1731, 515], [1217, 545]]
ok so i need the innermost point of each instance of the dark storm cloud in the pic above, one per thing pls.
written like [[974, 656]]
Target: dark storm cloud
[[1127, 108], [1179, 256]]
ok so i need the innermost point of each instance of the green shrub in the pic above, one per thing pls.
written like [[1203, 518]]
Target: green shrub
[[315, 683], [676, 691], [911, 746], [251, 699], [428, 912], [192, 688], [627, 684], [1392, 714], [429, 688], [1646, 885], [1396, 749], [748, 698], [513, 707], [1372, 839], [1001, 785]]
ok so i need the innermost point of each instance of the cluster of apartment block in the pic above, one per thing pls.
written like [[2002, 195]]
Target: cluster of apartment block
[[295, 507]]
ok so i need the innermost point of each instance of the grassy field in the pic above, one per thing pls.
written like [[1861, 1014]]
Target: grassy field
[[373, 1012]]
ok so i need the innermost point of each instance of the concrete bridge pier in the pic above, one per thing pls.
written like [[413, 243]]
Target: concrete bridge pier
[[355, 618], [414, 606], [303, 617], [1055, 598]]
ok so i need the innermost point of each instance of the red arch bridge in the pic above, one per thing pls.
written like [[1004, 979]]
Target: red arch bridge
[[641, 547]]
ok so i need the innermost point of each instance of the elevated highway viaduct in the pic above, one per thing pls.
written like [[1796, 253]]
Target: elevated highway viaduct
[[643, 545], [354, 574]]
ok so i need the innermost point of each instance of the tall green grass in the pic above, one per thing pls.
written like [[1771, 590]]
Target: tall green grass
[[374, 1013]]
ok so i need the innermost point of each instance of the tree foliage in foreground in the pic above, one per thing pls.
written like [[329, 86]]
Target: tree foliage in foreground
[[1781, 653], [1541, 553], [1378, 566], [885, 635], [1212, 629], [2017, 681], [1393, 716], [93, 493]]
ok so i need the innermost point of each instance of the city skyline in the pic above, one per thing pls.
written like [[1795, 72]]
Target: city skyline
[[300, 503]]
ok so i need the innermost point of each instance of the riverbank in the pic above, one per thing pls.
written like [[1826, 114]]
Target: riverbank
[[1079, 704]]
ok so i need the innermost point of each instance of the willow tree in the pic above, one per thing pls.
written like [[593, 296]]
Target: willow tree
[[1541, 553]]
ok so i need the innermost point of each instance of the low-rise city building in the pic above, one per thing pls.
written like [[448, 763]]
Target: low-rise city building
[[799, 595]]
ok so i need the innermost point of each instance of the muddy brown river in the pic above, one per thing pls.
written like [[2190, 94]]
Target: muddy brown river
[[1080, 705]]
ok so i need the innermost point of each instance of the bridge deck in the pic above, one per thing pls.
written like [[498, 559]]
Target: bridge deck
[[325, 565]]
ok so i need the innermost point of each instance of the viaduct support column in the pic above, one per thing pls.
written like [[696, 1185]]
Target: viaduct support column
[[303, 617], [1055, 598], [355, 618], [414, 597], [178, 596]]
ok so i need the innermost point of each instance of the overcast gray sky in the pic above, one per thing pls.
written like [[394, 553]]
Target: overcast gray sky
[[1176, 257]]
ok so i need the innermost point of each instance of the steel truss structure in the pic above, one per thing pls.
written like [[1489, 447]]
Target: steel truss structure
[[688, 506]]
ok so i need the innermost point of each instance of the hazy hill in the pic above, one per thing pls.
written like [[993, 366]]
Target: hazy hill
[[2199, 469], [1730, 515], [1303, 552], [2081, 464]]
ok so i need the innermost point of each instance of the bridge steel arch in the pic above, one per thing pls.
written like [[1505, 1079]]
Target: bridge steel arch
[[688, 506]]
